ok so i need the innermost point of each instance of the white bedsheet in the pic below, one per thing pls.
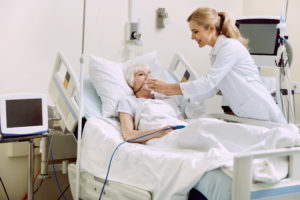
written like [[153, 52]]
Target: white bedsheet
[[170, 166]]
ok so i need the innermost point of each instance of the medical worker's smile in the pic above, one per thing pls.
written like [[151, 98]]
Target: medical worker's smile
[[199, 42]]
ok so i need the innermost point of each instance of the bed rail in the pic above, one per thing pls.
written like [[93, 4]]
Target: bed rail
[[64, 90], [180, 70], [244, 188]]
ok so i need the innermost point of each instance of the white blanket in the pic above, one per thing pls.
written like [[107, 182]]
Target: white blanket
[[170, 166]]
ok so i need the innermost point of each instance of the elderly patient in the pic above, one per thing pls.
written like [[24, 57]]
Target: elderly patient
[[141, 112], [146, 112]]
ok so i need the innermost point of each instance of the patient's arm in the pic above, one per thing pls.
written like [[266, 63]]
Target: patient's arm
[[129, 132]]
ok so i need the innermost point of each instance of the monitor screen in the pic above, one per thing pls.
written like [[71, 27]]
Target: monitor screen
[[262, 38], [24, 113]]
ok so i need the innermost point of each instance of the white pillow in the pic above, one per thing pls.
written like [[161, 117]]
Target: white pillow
[[92, 102], [108, 79], [109, 82]]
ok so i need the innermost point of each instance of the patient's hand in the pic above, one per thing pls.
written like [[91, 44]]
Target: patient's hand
[[165, 132]]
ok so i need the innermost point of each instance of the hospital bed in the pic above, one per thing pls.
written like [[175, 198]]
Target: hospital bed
[[64, 89]]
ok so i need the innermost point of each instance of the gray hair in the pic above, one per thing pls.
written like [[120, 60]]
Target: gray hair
[[131, 70]]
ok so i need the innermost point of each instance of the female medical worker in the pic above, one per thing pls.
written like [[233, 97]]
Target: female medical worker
[[233, 70]]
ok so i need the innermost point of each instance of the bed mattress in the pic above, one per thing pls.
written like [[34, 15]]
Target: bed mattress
[[167, 172]]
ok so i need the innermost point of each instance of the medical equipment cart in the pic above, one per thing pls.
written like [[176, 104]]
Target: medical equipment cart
[[29, 139]]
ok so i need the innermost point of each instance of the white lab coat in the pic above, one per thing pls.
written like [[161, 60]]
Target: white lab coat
[[235, 74]]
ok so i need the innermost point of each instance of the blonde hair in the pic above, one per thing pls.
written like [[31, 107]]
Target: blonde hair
[[209, 16], [131, 70]]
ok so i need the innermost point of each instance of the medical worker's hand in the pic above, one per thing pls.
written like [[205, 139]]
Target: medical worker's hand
[[162, 87]]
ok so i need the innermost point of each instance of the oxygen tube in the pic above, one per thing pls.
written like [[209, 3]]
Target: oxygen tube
[[173, 127]]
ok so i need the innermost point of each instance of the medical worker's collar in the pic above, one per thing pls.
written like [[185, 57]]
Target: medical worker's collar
[[218, 44]]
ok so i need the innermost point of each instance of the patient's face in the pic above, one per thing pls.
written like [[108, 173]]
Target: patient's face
[[140, 78], [139, 84]]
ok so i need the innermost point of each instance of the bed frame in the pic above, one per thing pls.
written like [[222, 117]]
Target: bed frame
[[243, 187], [90, 188], [288, 188], [242, 184]]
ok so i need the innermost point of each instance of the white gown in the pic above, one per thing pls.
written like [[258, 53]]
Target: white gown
[[234, 72]]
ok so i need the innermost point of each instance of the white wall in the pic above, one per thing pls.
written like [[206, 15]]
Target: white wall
[[32, 31], [274, 7]]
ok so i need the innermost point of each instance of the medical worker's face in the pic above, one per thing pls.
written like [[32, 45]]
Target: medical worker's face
[[140, 79], [203, 36]]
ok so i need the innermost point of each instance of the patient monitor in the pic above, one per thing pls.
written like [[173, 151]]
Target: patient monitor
[[264, 38], [23, 114]]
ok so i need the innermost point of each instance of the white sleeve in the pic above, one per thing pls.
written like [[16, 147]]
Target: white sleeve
[[205, 87], [127, 105]]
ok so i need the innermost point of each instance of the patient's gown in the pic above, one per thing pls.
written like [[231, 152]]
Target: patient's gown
[[151, 113]]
